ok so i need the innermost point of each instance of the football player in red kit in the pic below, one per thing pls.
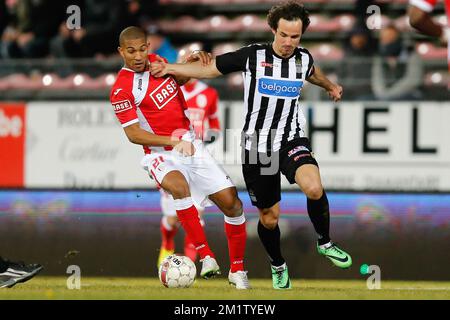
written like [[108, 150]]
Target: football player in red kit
[[202, 101], [152, 112]]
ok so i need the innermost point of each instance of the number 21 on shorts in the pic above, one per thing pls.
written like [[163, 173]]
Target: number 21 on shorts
[[154, 166]]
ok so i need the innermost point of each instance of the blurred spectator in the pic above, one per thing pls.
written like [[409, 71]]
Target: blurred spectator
[[101, 21], [134, 12], [355, 70], [140, 11], [3, 16], [30, 25], [397, 73], [160, 44]]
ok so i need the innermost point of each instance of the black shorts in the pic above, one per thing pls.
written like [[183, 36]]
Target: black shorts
[[262, 173]]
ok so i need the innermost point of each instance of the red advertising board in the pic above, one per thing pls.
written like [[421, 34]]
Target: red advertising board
[[12, 144]]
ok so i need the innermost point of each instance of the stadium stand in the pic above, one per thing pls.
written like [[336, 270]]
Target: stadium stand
[[219, 26]]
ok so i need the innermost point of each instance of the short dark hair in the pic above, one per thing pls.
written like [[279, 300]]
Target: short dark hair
[[131, 33], [290, 11]]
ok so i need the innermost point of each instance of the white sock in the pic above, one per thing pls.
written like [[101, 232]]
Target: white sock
[[235, 220]]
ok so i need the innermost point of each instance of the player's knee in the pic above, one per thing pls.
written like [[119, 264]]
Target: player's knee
[[180, 191], [172, 221], [314, 191], [237, 207], [233, 207], [269, 218]]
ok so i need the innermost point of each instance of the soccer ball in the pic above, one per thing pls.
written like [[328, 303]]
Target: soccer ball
[[177, 271]]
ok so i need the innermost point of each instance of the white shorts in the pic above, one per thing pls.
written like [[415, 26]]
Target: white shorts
[[203, 174]]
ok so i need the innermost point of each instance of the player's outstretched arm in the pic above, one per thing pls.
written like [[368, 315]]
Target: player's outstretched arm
[[202, 56], [192, 70], [318, 78]]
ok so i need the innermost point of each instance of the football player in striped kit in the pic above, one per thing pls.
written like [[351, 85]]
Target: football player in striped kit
[[273, 136]]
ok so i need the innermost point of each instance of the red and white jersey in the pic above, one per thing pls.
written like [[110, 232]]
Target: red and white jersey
[[157, 104], [202, 102]]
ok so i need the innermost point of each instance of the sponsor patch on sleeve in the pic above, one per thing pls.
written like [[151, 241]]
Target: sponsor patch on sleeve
[[121, 106]]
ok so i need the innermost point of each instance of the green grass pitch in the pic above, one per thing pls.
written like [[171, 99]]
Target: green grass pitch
[[219, 289]]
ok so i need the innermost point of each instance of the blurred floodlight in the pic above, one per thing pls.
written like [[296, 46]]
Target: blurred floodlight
[[195, 46], [110, 79], [78, 80], [423, 48], [182, 52], [436, 77], [325, 49], [216, 21], [345, 21], [248, 20], [47, 80]]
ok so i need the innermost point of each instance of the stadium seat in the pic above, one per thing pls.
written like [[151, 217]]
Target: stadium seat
[[4, 85], [225, 47], [180, 1], [392, 1], [345, 22], [184, 24], [251, 22], [437, 78], [320, 23], [429, 51], [54, 82], [105, 81], [326, 52], [23, 82], [220, 23], [186, 49], [85, 82], [402, 24], [442, 19], [214, 2], [235, 80], [246, 1]]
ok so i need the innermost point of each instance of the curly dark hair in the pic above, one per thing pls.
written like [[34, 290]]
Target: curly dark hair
[[290, 11]]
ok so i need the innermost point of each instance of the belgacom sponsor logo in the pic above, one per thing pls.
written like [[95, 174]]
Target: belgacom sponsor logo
[[10, 126]]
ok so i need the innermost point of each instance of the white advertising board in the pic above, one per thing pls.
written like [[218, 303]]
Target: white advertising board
[[79, 145], [402, 146]]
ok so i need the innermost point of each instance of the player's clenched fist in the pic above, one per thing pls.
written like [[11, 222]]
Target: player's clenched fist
[[158, 68], [186, 148], [335, 93]]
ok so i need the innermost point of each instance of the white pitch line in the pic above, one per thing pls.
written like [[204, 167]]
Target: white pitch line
[[412, 288]]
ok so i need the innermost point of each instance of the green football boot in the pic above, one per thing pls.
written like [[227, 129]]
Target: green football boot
[[339, 257], [280, 277]]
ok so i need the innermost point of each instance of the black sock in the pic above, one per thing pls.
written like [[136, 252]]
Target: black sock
[[271, 242], [3, 265], [319, 213]]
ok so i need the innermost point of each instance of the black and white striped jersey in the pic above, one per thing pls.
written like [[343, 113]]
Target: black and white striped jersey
[[272, 87]]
